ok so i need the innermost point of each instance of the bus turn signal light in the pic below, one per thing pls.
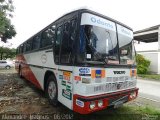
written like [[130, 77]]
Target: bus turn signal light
[[92, 105], [100, 103]]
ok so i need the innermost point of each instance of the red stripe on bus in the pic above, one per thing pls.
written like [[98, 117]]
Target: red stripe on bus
[[27, 72], [84, 106]]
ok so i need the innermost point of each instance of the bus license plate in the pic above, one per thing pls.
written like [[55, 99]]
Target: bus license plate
[[118, 104]]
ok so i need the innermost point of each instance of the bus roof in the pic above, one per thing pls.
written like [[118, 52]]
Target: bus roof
[[82, 10], [95, 13]]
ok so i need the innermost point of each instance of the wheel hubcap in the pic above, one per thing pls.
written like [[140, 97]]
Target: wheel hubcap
[[7, 67], [52, 90]]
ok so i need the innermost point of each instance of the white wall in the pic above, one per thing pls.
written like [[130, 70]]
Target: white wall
[[159, 38], [159, 52], [150, 52], [146, 46], [159, 63], [153, 57]]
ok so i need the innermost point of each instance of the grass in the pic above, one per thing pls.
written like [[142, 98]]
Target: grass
[[150, 76], [132, 113], [136, 113], [140, 110], [123, 113], [148, 110]]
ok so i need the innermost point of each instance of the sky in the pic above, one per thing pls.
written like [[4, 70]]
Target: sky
[[30, 16]]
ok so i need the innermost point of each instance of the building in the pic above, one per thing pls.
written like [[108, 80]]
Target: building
[[147, 43]]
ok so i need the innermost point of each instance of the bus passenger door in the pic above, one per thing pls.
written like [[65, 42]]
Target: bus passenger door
[[65, 60]]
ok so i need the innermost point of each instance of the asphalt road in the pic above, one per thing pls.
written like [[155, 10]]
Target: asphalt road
[[149, 89]]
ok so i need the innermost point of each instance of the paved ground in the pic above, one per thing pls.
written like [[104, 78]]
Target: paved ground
[[149, 89]]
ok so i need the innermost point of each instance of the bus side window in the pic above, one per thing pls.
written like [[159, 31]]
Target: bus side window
[[24, 47], [17, 50], [73, 29], [46, 38], [28, 45], [36, 42], [20, 51], [52, 32], [67, 42], [57, 43]]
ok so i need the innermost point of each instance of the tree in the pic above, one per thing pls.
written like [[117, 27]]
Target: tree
[[7, 53], [142, 64], [7, 30]]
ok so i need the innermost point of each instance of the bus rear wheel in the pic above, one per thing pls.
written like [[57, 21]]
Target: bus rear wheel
[[52, 90]]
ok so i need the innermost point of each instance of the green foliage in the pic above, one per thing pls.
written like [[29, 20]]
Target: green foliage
[[142, 64], [7, 30], [150, 76], [7, 53]]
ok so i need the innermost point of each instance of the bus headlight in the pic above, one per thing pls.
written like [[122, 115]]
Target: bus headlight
[[92, 105], [100, 103], [133, 95]]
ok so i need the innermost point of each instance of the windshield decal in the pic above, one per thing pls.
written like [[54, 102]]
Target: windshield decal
[[98, 74], [124, 31], [89, 19], [84, 71]]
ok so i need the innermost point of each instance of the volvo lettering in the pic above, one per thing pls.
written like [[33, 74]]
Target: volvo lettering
[[119, 72]]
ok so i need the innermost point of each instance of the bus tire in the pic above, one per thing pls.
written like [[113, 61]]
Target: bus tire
[[8, 67], [52, 91]]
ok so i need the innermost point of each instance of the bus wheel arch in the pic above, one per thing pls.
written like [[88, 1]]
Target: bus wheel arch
[[50, 80]]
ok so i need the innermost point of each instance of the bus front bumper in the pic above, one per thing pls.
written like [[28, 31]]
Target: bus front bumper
[[86, 105]]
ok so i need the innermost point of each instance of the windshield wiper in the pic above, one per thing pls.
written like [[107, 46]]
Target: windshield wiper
[[112, 57], [99, 56], [94, 62]]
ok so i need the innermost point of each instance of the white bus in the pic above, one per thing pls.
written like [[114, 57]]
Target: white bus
[[83, 60]]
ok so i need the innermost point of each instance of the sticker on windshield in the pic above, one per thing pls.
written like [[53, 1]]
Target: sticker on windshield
[[79, 103], [60, 77], [98, 73], [90, 19], [66, 75], [133, 73], [77, 78], [67, 94], [124, 31], [84, 71], [113, 62], [63, 83], [68, 88]]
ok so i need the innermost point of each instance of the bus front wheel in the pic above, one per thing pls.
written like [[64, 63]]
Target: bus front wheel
[[52, 90]]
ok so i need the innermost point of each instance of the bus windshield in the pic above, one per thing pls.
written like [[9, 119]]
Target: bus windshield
[[102, 43], [126, 47]]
